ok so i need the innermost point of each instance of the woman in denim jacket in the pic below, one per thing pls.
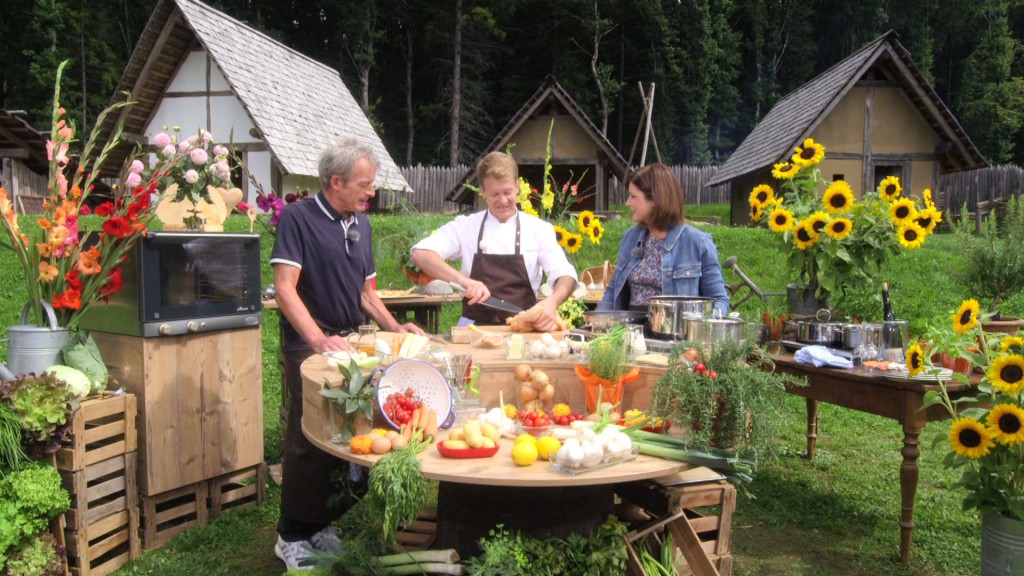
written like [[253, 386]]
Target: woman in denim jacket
[[662, 254]]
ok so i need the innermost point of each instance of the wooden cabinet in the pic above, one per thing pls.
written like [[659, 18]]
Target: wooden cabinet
[[200, 403]]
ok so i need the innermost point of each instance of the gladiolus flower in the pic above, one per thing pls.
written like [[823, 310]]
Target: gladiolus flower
[[117, 227], [89, 262], [47, 272], [113, 285], [44, 249], [105, 209]]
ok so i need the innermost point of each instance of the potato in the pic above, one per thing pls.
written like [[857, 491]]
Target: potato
[[489, 432], [391, 434], [488, 443], [471, 432], [380, 445], [455, 445], [398, 442], [455, 434]]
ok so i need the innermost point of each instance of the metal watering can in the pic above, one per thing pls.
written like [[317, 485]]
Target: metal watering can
[[33, 348]]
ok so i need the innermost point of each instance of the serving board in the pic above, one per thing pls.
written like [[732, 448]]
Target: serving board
[[463, 335]]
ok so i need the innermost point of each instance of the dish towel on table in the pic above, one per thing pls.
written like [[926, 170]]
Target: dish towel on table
[[820, 356]]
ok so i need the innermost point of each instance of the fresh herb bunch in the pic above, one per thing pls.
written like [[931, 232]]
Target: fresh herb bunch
[[608, 354], [42, 405], [39, 557], [728, 397], [353, 398], [397, 489], [10, 440], [29, 498], [572, 312]]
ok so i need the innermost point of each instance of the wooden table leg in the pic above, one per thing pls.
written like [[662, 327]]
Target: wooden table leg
[[812, 428], [908, 486]]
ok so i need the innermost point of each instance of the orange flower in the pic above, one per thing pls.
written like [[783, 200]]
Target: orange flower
[[45, 224], [58, 235], [44, 249], [89, 262], [71, 299], [47, 272]]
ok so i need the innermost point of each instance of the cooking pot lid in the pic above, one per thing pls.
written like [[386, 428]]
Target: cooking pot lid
[[675, 298], [614, 315], [725, 321]]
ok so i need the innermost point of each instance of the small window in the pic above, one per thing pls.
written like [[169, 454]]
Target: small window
[[884, 171], [838, 177]]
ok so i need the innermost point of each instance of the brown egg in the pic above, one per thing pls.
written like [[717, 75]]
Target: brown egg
[[397, 442], [522, 372]]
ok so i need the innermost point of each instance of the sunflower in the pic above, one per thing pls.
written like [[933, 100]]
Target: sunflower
[[1006, 424], [560, 235], [573, 242], [762, 195], [780, 220], [839, 228], [816, 222], [755, 213], [927, 195], [915, 359], [785, 171], [1013, 344], [902, 211], [838, 197], [890, 188], [970, 439], [928, 219], [967, 316], [585, 221], [804, 236], [911, 235], [809, 154], [595, 232], [1007, 373]]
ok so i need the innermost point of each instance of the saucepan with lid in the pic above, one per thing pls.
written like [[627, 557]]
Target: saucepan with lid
[[605, 320], [820, 330], [677, 317]]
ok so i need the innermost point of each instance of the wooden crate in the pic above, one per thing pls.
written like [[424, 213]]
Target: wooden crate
[[703, 541], [238, 490], [420, 533], [101, 428], [100, 490], [173, 512], [103, 546]]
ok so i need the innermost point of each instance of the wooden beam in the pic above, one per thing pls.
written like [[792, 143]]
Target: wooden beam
[[559, 161], [869, 104], [13, 153], [151, 59], [31, 152], [195, 93]]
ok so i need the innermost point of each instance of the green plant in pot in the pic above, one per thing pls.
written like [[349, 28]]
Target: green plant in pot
[[991, 265], [351, 403], [726, 395]]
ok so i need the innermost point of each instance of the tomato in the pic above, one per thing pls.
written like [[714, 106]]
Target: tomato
[[522, 415], [712, 374], [700, 367]]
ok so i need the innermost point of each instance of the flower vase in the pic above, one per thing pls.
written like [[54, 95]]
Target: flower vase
[[1002, 545], [803, 302], [595, 387], [345, 426]]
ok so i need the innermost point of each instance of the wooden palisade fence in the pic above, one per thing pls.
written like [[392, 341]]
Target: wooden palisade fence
[[982, 187]]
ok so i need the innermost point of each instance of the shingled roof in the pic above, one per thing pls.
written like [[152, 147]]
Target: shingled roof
[[549, 89], [795, 116], [20, 140], [298, 104]]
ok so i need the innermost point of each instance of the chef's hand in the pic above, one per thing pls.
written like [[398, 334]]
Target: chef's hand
[[548, 319], [476, 292], [410, 327], [332, 344]]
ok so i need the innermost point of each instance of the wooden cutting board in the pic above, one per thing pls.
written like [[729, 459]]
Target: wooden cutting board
[[463, 335]]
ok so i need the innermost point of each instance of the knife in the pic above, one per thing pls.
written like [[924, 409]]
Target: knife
[[491, 302]]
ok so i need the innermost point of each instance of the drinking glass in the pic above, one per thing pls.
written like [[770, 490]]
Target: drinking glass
[[365, 339]]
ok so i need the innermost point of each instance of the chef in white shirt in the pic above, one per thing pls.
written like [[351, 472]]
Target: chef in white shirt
[[504, 252]]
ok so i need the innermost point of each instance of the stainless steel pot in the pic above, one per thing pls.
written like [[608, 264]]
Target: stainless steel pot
[[721, 329], [675, 317], [604, 320], [854, 335]]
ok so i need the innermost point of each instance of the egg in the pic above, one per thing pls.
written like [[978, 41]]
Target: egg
[[547, 339]]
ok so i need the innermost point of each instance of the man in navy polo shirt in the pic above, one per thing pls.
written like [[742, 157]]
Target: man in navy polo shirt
[[323, 272]]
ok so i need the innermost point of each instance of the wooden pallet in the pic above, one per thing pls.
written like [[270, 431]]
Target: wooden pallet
[[100, 490], [101, 428], [103, 546], [238, 490], [702, 541], [420, 533], [172, 512]]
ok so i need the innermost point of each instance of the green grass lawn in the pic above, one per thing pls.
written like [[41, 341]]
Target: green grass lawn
[[835, 515]]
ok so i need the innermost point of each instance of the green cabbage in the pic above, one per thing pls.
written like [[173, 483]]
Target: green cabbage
[[75, 380]]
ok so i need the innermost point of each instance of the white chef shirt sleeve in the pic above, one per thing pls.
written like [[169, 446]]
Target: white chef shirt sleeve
[[446, 240]]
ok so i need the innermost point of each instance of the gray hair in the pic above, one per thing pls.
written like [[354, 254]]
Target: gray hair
[[340, 159]]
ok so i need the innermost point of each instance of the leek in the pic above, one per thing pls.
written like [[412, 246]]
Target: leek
[[737, 470]]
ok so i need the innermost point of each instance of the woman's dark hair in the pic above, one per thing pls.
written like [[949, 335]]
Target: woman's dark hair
[[660, 185]]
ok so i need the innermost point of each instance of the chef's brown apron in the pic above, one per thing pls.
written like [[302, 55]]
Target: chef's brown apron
[[505, 276]]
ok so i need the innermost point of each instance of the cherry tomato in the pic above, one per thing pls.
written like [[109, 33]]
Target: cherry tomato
[[712, 374], [700, 367]]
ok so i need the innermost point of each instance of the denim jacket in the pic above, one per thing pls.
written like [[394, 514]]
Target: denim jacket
[[689, 267]]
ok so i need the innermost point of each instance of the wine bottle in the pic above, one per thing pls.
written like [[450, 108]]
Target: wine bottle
[[886, 305]]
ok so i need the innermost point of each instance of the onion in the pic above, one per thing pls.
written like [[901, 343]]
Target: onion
[[526, 393], [539, 378], [547, 393], [522, 372]]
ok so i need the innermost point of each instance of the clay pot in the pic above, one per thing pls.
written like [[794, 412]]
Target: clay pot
[[1007, 325]]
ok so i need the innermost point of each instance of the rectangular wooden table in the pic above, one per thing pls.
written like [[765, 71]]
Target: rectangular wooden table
[[873, 392], [425, 310]]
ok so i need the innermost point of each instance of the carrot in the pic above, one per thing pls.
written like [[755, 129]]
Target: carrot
[[430, 429], [414, 422], [407, 432]]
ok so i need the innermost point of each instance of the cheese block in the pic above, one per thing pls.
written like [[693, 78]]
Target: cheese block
[[653, 359]]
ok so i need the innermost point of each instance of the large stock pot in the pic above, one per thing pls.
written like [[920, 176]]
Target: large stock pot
[[678, 317]]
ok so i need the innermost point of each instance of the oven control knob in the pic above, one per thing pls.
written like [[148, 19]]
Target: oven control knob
[[165, 329], [192, 326]]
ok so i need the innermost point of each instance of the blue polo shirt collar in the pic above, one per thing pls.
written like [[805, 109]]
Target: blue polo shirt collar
[[330, 212]]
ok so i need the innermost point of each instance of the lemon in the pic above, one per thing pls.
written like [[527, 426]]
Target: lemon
[[524, 437], [524, 453], [547, 446]]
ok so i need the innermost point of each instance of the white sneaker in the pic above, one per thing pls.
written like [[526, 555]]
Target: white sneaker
[[291, 553], [326, 540]]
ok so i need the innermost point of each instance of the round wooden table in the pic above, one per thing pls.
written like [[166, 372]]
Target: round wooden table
[[474, 495]]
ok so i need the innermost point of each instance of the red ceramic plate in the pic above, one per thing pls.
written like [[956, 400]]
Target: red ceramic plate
[[467, 453]]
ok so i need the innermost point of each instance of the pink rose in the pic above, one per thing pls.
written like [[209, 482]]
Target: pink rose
[[220, 150], [184, 146], [137, 167], [199, 156], [223, 170], [191, 176], [169, 150], [206, 136], [133, 180], [161, 140]]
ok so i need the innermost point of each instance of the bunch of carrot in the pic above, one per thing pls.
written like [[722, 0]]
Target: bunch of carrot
[[422, 425]]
